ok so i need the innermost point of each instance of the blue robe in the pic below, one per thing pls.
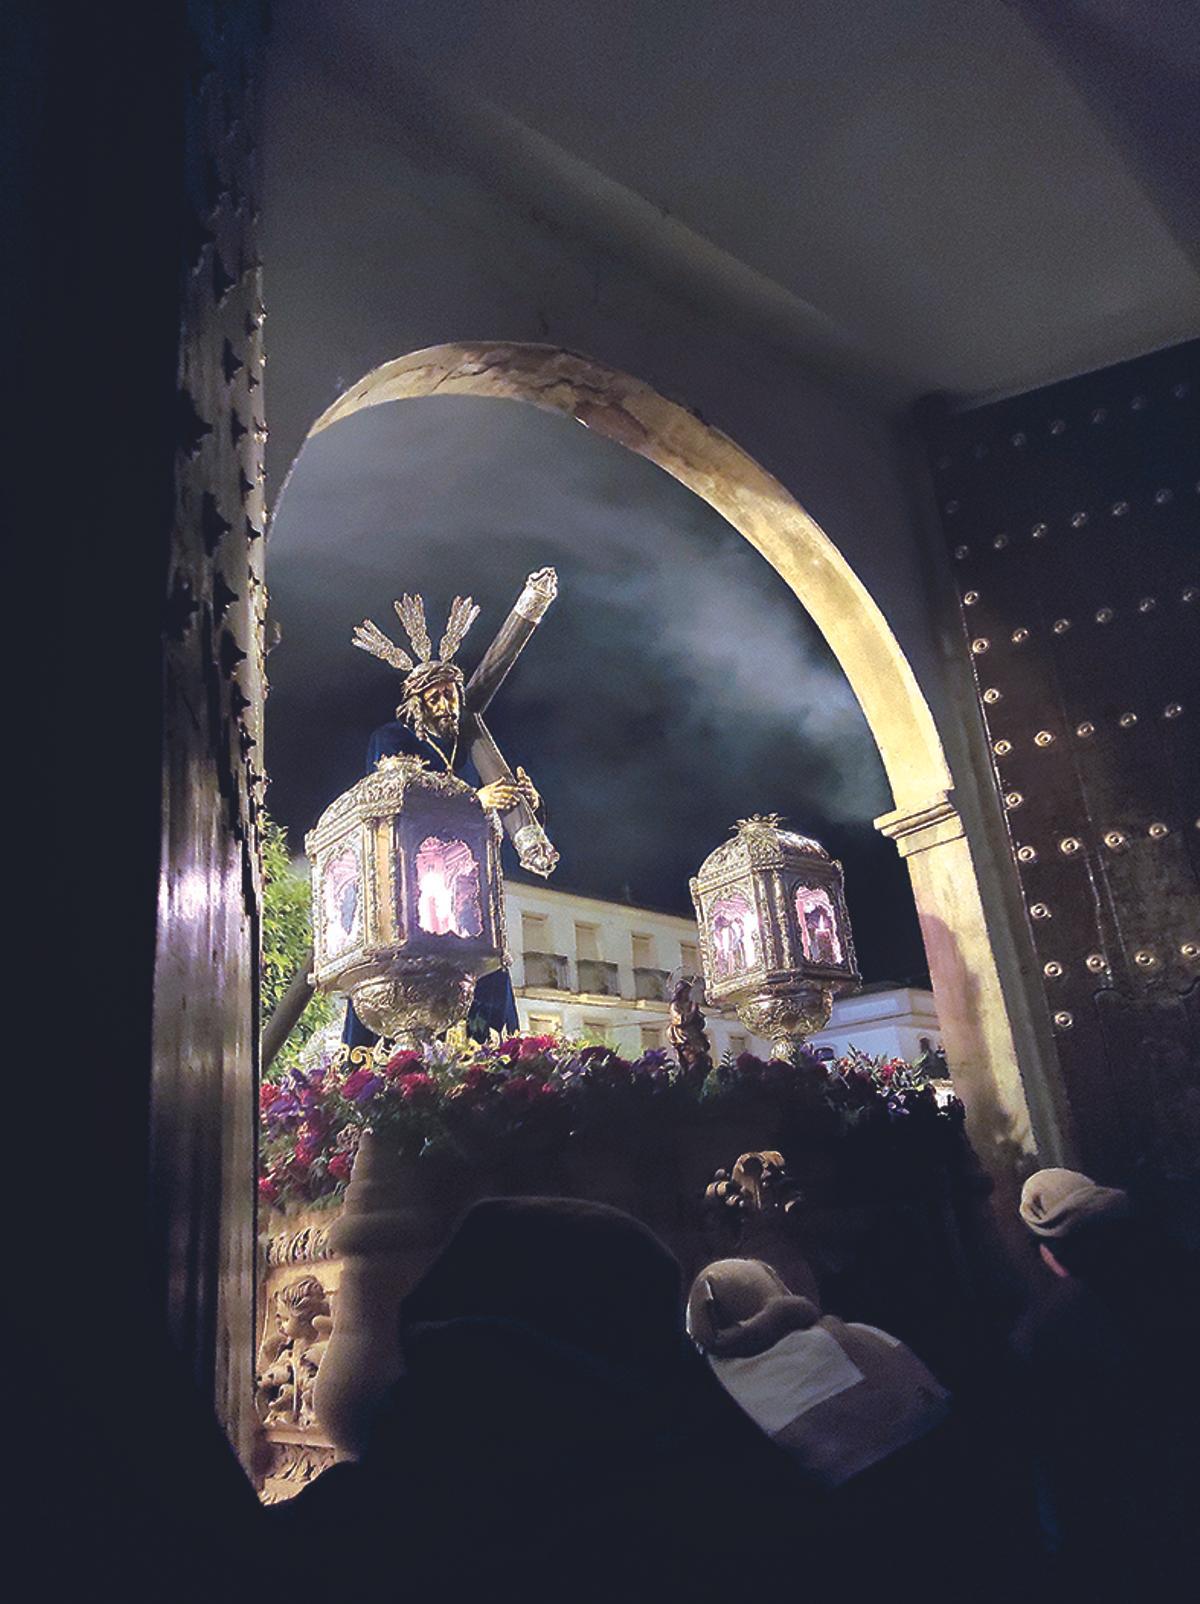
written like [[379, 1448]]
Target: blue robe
[[494, 1005]]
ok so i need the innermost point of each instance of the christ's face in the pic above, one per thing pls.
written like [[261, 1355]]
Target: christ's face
[[441, 707]]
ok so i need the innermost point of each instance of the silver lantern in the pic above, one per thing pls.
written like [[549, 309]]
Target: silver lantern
[[775, 937], [408, 899]]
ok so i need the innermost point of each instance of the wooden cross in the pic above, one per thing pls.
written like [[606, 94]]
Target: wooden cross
[[533, 846]]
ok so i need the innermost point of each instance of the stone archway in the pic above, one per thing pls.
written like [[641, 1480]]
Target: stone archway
[[1008, 1120]]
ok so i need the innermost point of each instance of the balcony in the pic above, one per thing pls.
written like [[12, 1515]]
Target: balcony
[[650, 984], [598, 979], [546, 970]]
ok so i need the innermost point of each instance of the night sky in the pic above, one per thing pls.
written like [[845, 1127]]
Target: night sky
[[674, 686]]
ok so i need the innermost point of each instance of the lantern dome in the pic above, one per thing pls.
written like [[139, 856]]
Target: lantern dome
[[760, 843]]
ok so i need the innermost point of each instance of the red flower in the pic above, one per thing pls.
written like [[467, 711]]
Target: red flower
[[535, 1046], [306, 1150], [267, 1094], [268, 1189], [339, 1166], [886, 1071], [405, 1060]]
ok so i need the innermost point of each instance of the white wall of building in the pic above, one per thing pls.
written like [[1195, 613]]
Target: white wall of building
[[889, 1022]]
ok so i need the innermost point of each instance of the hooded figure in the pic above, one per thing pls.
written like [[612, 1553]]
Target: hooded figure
[[840, 1398], [1105, 1358], [555, 1436]]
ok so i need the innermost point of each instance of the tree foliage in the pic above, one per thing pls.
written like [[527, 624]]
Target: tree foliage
[[287, 938]]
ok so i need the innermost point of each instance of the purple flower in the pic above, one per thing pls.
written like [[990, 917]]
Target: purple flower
[[284, 1108], [360, 1086]]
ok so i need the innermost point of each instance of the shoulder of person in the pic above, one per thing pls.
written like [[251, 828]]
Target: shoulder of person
[[894, 1356]]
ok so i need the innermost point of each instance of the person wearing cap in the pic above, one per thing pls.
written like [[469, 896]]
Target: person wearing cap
[[1107, 1361], [1072, 1219], [870, 1429], [839, 1397]]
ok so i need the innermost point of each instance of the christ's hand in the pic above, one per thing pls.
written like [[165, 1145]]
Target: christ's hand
[[528, 790], [500, 795]]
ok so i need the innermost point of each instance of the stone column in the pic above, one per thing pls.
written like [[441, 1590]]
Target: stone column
[[1015, 1116]]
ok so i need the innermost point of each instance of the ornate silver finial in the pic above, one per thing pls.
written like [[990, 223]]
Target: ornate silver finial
[[760, 821], [540, 590]]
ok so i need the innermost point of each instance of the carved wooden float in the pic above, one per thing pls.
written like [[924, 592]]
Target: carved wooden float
[[331, 1280]]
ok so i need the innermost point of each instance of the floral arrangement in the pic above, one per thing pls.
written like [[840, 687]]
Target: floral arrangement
[[535, 1093]]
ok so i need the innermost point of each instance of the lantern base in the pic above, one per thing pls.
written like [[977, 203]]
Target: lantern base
[[412, 1005], [786, 1018]]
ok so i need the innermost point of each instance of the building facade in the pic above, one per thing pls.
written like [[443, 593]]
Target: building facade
[[584, 967]]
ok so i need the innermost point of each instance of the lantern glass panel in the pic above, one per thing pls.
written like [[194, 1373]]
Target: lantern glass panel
[[733, 925], [447, 876], [341, 901], [817, 924]]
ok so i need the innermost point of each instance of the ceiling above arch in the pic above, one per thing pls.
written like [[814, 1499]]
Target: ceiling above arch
[[961, 196]]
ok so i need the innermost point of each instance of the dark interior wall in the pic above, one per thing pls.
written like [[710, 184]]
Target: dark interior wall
[[128, 1333], [1072, 521]]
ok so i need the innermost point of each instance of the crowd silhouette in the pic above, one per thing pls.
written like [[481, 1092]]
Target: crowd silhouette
[[569, 1428]]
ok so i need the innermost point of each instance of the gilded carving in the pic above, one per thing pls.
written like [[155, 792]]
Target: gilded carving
[[759, 1183], [303, 1246], [686, 1032], [293, 1465], [299, 1323]]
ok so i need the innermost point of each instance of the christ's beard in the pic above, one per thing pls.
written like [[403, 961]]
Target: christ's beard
[[444, 728]]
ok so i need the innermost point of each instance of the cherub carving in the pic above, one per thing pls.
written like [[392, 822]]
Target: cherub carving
[[276, 1394], [290, 1354]]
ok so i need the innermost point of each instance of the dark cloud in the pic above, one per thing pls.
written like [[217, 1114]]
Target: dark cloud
[[675, 685]]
